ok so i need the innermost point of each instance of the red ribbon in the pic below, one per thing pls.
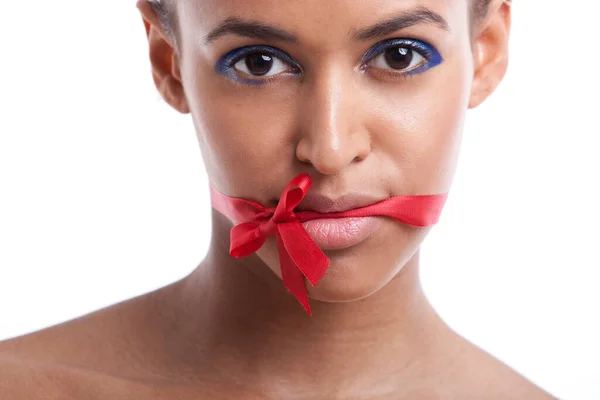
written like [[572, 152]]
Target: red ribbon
[[299, 255]]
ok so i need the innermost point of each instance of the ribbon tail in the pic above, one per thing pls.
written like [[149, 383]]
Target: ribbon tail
[[304, 252], [293, 279]]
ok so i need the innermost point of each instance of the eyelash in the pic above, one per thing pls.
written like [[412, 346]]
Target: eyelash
[[225, 65]]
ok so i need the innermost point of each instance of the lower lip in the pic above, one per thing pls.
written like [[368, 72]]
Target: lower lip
[[340, 233]]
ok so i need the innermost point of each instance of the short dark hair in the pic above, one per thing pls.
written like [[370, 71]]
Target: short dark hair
[[164, 11], [479, 9]]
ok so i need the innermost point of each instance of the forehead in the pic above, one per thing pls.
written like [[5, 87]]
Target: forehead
[[315, 20]]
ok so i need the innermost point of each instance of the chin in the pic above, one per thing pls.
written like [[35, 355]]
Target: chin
[[344, 290], [361, 272], [347, 281]]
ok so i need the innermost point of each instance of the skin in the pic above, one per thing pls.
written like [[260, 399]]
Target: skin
[[230, 328]]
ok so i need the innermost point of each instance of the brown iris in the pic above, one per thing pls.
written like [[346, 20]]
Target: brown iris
[[259, 64], [398, 57]]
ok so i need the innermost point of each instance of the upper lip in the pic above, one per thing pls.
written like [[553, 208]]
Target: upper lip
[[323, 204]]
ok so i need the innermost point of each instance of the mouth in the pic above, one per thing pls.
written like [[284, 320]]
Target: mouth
[[340, 233]]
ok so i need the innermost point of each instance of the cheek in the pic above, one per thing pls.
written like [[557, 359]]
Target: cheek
[[421, 127], [243, 131]]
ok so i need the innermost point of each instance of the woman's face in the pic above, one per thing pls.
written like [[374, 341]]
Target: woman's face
[[368, 97]]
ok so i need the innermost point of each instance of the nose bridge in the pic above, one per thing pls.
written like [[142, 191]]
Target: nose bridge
[[331, 130], [326, 101]]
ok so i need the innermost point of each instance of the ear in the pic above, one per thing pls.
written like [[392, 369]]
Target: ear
[[490, 51], [164, 59]]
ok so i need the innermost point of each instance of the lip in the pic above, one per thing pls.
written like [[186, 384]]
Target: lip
[[340, 233], [323, 204]]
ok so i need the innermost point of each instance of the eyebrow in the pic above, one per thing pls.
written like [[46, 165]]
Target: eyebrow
[[416, 16], [240, 27], [259, 30]]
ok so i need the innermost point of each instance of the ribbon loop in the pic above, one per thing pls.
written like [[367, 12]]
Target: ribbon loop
[[245, 239]]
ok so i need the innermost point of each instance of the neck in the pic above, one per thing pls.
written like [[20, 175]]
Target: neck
[[244, 323]]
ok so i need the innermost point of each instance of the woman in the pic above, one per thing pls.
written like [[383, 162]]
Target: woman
[[302, 108]]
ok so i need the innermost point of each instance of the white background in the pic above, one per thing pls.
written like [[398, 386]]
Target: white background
[[103, 195]]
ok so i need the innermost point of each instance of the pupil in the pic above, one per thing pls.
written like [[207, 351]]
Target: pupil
[[259, 64], [398, 57]]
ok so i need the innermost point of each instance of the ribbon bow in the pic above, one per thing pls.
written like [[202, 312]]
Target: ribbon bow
[[299, 255]]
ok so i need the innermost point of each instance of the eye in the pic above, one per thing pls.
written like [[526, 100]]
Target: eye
[[260, 64], [399, 58], [257, 65], [402, 57]]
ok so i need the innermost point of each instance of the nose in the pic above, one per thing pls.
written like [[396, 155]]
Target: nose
[[332, 133]]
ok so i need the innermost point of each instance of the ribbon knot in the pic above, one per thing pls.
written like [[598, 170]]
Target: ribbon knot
[[299, 255]]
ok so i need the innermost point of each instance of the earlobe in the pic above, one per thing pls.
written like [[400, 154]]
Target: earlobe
[[490, 52], [164, 60]]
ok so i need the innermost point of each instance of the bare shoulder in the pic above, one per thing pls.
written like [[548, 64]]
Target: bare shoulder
[[116, 334], [505, 383], [19, 380], [489, 378], [98, 355], [23, 378], [76, 341]]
